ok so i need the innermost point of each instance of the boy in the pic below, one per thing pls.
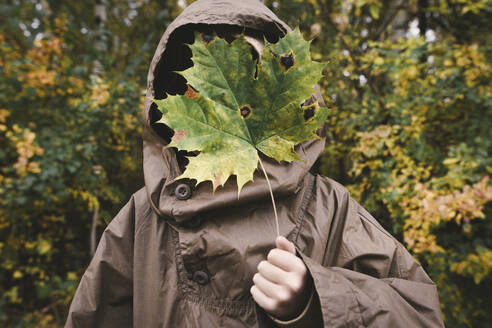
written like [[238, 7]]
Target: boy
[[178, 255]]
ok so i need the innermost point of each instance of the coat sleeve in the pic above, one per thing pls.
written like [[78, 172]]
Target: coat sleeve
[[104, 295], [365, 277]]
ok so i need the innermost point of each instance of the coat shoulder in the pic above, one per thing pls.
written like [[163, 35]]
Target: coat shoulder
[[132, 216], [353, 238], [331, 187], [143, 211], [344, 208]]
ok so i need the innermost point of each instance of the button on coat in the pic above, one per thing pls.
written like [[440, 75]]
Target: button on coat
[[201, 277], [182, 191]]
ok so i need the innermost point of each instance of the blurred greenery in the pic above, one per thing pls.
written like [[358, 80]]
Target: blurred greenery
[[409, 88]]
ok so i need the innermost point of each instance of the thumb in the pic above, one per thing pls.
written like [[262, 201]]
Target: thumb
[[282, 243]]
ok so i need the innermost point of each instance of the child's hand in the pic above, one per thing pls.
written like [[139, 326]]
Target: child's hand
[[281, 285]]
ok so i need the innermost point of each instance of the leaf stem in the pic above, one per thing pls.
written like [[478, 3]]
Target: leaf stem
[[271, 194]]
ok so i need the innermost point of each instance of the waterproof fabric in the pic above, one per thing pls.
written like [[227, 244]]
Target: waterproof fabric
[[165, 261]]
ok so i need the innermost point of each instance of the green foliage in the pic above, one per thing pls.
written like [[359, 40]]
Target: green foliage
[[234, 113]]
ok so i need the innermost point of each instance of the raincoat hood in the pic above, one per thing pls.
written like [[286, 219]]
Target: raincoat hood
[[160, 163]]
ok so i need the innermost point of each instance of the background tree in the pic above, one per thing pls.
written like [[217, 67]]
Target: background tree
[[409, 91]]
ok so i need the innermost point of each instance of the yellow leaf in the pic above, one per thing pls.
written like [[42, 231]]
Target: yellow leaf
[[374, 10], [43, 247], [17, 274], [379, 61], [71, 276], [450, 161]]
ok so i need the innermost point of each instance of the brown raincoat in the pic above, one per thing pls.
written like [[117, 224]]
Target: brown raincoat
[[180, 256]]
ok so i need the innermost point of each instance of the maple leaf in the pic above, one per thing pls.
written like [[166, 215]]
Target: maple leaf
[[229, 114]]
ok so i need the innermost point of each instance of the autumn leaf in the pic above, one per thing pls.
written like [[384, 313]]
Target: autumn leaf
[[229, 115]]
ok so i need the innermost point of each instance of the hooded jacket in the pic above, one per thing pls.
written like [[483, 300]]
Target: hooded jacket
[[178, 255]]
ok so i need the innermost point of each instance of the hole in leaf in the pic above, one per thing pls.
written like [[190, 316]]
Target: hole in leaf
[[309, 112], [245, 111], [287, 61]]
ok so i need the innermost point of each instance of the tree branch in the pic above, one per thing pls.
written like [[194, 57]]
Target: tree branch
[[93, 236]]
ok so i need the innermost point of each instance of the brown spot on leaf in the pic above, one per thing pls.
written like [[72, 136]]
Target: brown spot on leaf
[[309, 112], [287, 61], [245, 111], [179, 135], [191, 93]]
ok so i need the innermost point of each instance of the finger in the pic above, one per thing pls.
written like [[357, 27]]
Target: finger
[[286, 261], [264, 301], [269, 288], [272, 273], [284, 244]]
